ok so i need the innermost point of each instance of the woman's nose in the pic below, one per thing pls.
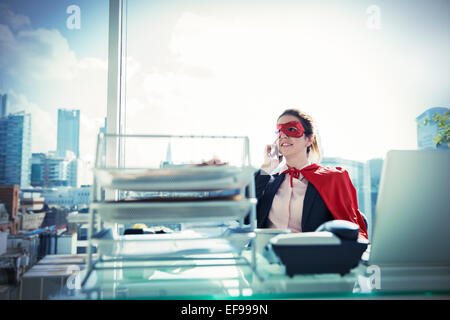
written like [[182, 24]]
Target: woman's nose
[[282, 135]]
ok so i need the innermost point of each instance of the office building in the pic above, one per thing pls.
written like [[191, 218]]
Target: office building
[[58, 171], [38, 167], [68, 197], [15, 149], [51, 170], [426, 132], [68, 132], [3, 105], [79, 173]]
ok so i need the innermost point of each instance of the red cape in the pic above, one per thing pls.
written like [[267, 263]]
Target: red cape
[[338, 193]]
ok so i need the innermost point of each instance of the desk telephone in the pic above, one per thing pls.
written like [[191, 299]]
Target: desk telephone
[[333, 248]]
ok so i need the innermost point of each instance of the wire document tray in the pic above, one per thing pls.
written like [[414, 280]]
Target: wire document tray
[[173, 212], [187, 178], [171, 184], [176, 245]]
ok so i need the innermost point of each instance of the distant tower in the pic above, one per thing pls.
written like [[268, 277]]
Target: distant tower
[[3, 105], [169, 153], [68, 132], [168, 160], [15, 149]]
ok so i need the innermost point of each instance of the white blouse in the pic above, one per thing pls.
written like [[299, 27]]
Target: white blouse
[[287, 206]]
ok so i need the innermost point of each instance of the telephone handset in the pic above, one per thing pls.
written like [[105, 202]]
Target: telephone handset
[[333, 248], [344, 230], [277, 153]]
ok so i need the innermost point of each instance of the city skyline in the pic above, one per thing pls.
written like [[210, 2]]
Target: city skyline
[[52, 168]]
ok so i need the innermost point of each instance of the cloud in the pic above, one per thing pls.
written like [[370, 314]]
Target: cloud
[[257, 65], [7, 48], [8, 17], [6, 36], [43, 74], [41, 54], [51, 59]]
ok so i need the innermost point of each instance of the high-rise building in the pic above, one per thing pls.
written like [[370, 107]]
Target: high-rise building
[[38, 169], [15, 149], [51, 170], [79, 173], [426, 132], [58, 171], [68, 132], [3, 105]]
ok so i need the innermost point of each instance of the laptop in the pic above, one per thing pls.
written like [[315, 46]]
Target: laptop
[[411, 234]]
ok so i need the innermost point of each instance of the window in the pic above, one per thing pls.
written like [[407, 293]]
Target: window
[[53, 62], [363, 70]]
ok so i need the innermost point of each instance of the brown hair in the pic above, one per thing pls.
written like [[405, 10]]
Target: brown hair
[[308, 124]]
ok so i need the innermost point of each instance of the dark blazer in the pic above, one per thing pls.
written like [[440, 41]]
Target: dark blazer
[[315, 212]]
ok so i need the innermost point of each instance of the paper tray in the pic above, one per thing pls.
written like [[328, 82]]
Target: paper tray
[[173, 212], [176, 179], [178, 244]]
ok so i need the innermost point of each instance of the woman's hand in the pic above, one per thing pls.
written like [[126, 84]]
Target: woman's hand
[[271, 159]]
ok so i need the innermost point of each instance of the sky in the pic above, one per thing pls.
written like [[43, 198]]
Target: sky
[[363, 69], [46, 66], [232, 68]]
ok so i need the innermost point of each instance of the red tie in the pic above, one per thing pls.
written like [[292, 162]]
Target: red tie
[[294, 173]]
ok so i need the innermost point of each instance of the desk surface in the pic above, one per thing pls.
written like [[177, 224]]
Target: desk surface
[[221, 279]]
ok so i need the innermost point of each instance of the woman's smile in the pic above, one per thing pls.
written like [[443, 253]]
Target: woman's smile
[[285, 145]]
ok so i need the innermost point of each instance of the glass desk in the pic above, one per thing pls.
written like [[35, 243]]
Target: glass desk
[[222, 279]]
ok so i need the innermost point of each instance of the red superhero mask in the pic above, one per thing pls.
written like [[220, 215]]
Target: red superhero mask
[[291, 129]]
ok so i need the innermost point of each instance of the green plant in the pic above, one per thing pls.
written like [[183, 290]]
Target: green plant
[[443, 136]]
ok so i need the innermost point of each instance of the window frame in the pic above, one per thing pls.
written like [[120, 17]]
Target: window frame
[[116, 87]]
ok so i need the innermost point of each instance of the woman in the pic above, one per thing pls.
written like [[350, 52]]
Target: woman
[[303, 195]]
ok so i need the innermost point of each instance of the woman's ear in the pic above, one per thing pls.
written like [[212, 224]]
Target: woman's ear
[[310, 140]]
